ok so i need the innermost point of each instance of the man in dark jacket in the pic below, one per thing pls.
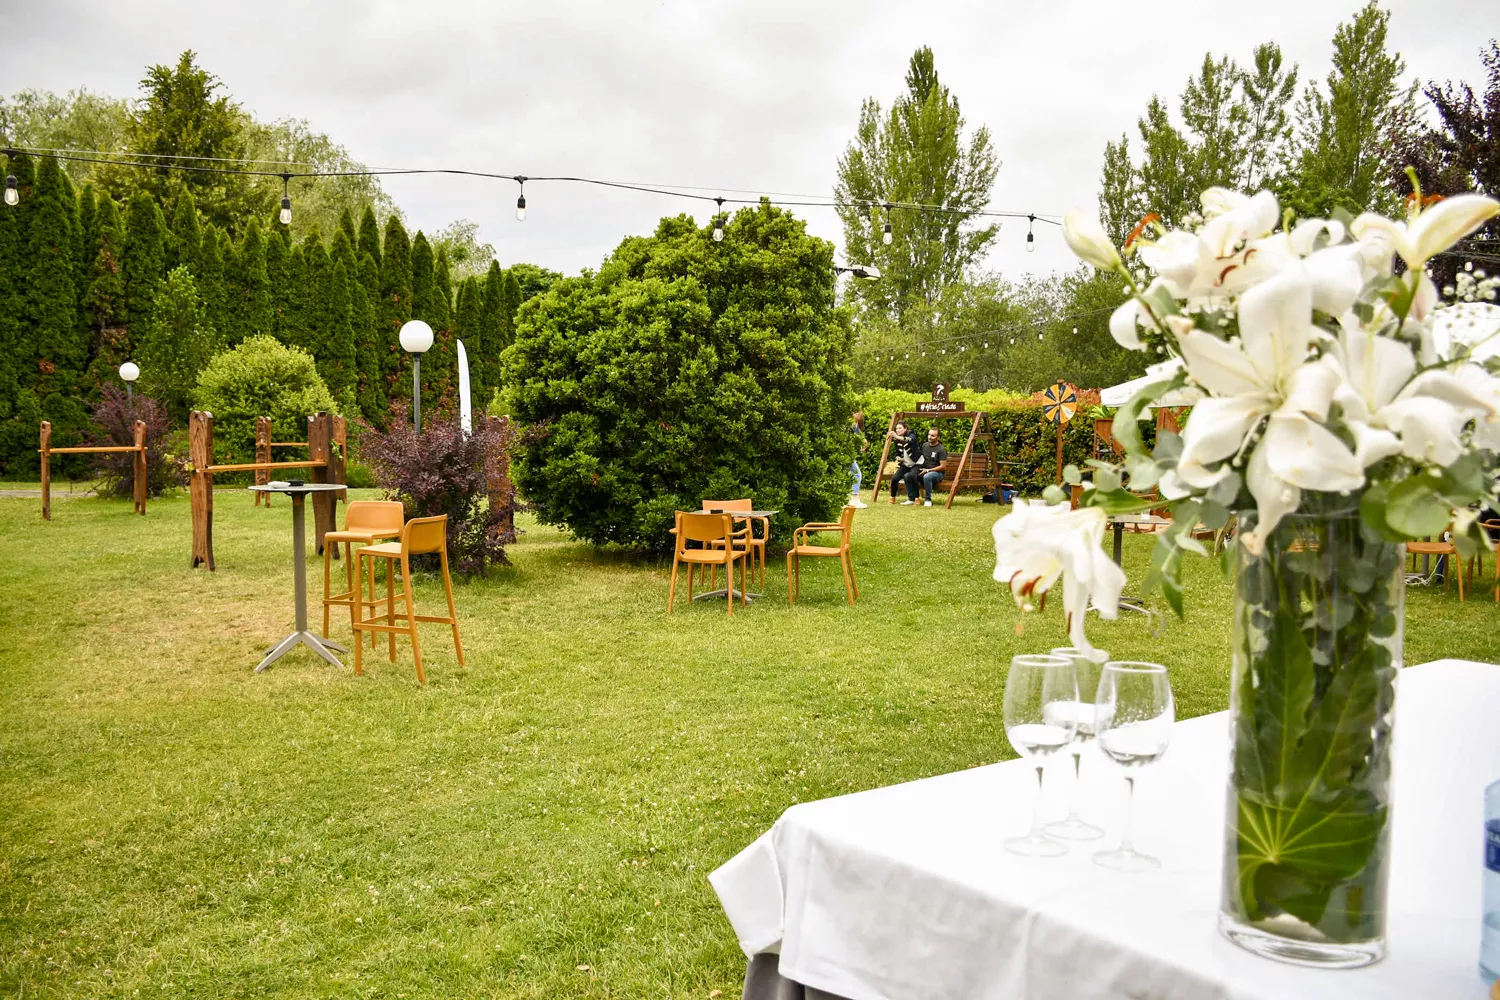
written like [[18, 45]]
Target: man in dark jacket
[[928, 469]]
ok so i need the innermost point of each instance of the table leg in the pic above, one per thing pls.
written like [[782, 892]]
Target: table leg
[[1119, 537], [311, 640], [1126, 603]]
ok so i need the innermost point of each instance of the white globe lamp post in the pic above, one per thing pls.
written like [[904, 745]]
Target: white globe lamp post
[[416, 338], [129, 372]]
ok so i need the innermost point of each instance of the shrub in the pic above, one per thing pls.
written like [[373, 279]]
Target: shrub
[[684, 369], [445, 471], [116, 414], [177, 344], [260, 378]]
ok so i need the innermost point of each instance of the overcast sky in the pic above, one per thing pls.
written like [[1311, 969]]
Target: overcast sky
[[755, 94]]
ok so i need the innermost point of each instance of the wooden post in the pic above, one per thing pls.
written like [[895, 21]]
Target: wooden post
[[1059, 453], [138, 468], [320, 449], [46, 470], [963, 461], [201, 486], [880, 469], [262, 454], [500, 489]]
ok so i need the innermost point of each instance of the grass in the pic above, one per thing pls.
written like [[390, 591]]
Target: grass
[[174, 825]]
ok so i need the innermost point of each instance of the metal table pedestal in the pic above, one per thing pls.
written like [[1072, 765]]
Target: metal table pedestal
[[312, 640]]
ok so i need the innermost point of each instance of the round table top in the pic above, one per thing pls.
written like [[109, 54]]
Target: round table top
[[740, 513], [289, 488]]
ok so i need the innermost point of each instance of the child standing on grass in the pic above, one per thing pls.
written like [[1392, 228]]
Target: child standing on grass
[[857, 428]]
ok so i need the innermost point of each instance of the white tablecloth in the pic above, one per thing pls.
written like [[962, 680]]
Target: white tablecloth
[[904, 892]]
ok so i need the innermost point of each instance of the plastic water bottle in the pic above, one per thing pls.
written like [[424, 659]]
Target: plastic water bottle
[[1489, 941]]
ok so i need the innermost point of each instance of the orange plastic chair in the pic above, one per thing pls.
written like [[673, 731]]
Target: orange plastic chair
[[707, 529], [802, 547], [365, 522], [420, 535], [744, 538]]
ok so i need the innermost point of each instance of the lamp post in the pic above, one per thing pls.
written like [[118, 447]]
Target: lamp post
[[416, 338], [129, 372]]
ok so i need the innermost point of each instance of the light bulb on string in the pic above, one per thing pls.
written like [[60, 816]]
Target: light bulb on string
[[521, 201], [886, 236], [718, 220], [12, 192], [943, 351], [1030, 238], [986, 345], [286, 200]]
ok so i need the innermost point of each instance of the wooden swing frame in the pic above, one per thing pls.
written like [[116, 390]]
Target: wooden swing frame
[[964, 476]]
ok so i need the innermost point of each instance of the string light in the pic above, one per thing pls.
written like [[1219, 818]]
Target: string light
[[718, 220], [1030, 237], [244, 167], [286, 200], [12, 192]]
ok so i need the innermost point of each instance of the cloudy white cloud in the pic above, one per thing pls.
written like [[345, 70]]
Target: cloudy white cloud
[[754, 94]]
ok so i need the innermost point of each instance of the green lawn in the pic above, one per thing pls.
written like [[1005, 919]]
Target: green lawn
[[173, 824]]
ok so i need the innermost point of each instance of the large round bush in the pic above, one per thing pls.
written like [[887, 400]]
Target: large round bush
[[260, 378], [686, 369]]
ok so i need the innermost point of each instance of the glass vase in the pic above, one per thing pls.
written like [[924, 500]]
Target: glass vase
[[1317, 643]]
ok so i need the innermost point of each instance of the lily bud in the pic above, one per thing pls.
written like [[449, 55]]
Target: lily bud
[[1087, 238]]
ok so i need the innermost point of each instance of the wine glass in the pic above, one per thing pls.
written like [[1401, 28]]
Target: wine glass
[[1037, 729], [1133, 715], [1086, 666]]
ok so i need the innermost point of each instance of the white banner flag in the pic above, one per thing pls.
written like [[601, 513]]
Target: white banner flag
[[465, 409]]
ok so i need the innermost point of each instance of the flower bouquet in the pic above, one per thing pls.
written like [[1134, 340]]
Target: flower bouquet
[[1329, 429]]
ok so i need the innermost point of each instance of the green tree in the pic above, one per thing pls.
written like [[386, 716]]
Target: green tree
[[177, 345], [467, 257], [315, 204], [15, 239], [369, 344], [442, 292], [336, 363], [347, 227], [423, 292], [184, 241], [278, 283], [1269, 91], [58, 350], [144, 259], [687, 368], [208, 270], [85, 243], [103, 303], [318, 319], [914, 154], [1343, 130], [368, 241], [79, 119], [1216, 116], [259, 310], [395, 307], [1167, 179], [183, 113], [468, 327], [496, 323], [534, 280], [1120, 202]]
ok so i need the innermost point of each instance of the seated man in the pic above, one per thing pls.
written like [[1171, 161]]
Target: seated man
[[928, 469]]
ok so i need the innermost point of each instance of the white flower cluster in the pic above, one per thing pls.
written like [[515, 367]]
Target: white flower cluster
[[1316, 363]]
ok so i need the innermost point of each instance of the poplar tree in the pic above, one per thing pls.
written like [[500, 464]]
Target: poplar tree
[[277, 288], [104, 299], [297, 302], [15, 237], [442, 286], [260, 308], [184, 241], [58, 350], [336, 361], [232, 288], [144, 259], [178, 343], [346, 226], [368, 343], [468, 326], [422, 289], [395, 307], [368, 239], [208, 269], [318, 316], [86, 243]]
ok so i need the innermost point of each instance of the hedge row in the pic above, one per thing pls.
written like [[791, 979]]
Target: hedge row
[[1022, 435]]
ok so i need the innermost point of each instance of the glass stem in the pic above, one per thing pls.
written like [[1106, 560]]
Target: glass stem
[[1126, 847], [1036, 810], [1073, 796]]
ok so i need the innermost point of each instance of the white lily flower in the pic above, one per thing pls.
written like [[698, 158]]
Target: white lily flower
[[1485, 387], [1428, 231], [1086, 237], [1267, 375], [1036, 543]]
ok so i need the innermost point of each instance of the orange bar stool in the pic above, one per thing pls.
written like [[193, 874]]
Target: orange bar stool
[[365, 522], [420, 535]]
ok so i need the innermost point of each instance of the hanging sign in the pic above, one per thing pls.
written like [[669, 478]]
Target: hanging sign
[[940, 403], [1061, 402]]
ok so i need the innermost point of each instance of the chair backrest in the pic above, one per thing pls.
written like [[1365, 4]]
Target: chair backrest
[[846, 522], [425, 534], [696, 526], [374, 515], [734, 505]]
